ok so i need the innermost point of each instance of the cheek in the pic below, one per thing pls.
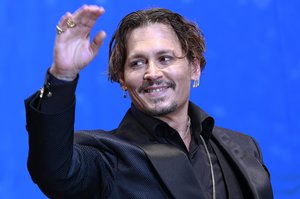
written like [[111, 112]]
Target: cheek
[[184, 82], [132, 80], [183, 76]]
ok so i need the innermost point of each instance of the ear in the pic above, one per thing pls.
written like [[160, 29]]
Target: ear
[[195, 70], [122, 82]]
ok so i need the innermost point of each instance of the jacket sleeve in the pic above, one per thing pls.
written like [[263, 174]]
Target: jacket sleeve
[[60, 168], [259, 154]]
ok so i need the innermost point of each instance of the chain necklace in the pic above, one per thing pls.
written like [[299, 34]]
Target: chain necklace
[[188, 126], [211, 168]]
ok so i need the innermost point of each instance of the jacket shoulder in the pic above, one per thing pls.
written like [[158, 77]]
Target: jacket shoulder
[[246, 142]]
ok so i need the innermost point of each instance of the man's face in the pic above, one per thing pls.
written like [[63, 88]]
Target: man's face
[[158, 81]]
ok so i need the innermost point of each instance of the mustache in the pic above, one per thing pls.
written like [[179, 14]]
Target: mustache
[[147, 84]]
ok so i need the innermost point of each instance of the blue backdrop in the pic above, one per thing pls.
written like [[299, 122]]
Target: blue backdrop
[[251, 83]]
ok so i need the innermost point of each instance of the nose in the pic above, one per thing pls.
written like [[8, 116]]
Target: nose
[[152, 72]]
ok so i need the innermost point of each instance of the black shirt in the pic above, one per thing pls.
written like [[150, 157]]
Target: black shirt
[[59, 95], [196, 153]]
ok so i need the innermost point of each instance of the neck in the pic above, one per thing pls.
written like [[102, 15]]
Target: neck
[[178, 120]]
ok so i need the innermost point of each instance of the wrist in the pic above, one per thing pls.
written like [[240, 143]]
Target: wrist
[[62, 75]]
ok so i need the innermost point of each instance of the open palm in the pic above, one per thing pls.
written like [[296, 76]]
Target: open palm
[[73, 49]]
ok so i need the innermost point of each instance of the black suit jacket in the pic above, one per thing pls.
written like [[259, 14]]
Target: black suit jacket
[[127, 162]]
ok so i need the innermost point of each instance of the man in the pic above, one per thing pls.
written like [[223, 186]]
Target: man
[[165, 146]]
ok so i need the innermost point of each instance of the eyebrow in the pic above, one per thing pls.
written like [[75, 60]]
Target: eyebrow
[[141, 54]]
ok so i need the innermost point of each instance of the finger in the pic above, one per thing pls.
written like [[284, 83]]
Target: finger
[[87, 15], [62, 24], [94, 15], [97, 42], [88, 8]]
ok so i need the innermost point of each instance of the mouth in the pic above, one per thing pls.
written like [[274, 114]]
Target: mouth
[[155, 89]]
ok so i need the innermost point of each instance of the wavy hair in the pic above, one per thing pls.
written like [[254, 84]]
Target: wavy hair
[[190, 37]]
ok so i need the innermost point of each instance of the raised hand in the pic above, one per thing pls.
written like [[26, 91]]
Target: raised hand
[[73, 49]]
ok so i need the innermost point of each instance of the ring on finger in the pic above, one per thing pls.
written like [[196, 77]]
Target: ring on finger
[[70, 23], [59, 30]]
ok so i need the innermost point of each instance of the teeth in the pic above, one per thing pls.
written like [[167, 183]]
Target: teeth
[[154, 90]]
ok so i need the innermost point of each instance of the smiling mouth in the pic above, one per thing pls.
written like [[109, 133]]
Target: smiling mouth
[[155, 90], [156, 86]]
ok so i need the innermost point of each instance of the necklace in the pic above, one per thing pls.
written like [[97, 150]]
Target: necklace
[[188, 126], [211, 169]]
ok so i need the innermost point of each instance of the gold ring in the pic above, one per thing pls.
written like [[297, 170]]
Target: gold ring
[[59, 30], [70, 23]]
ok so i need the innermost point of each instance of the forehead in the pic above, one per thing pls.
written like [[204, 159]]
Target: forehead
[[153, 36]]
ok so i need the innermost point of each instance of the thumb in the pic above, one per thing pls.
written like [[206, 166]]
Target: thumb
[[97, 42]]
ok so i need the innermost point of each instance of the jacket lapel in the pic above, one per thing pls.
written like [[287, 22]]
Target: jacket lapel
[[170, 163], [174, 169], [231, 180], [251, 169]]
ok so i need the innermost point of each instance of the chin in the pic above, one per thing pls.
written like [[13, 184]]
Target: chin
[[157, 110]]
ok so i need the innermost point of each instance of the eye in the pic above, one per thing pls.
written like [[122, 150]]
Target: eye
[[137, 63], [166, 59]]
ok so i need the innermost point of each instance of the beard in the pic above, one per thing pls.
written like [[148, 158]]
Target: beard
[[158, 111]]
